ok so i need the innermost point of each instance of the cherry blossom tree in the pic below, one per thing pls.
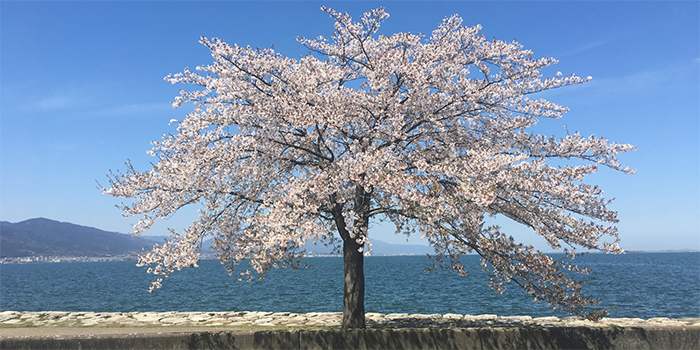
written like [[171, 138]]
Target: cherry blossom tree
[[433, 134]]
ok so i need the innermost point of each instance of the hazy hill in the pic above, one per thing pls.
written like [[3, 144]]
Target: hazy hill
[[383, 248], [44, 237], [379, 248]]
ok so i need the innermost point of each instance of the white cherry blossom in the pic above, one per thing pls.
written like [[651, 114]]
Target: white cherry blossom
[[431, 133]]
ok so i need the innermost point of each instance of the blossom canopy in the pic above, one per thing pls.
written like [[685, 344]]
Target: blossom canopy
[[432, 133]]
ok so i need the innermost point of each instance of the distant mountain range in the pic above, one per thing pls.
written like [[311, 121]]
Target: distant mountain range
[[45, 237]]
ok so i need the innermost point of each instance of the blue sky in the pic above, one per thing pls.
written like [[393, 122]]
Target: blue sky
[[82, 91]]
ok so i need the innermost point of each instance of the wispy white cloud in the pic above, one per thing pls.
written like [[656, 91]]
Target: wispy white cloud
[[134, 109], [55, 102], [664, 78], [585, 47], [91, 101], [594, 43], [64, 98]]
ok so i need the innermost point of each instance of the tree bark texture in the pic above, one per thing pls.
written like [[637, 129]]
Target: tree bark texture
[[353, 260], [354, 287]]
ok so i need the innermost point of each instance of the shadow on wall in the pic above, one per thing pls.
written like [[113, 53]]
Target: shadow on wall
[[483, 338], [616, 338], [479, 338]]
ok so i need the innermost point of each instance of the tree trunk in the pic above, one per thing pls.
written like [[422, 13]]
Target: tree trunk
[[353, 260], [354, 291]]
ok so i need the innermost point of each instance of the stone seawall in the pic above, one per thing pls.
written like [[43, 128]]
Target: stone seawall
[[265, 330]]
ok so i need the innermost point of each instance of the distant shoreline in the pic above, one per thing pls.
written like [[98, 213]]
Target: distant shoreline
[[132, 258], [661, 251]]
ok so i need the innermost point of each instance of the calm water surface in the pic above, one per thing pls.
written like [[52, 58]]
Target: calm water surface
[[640, 285]]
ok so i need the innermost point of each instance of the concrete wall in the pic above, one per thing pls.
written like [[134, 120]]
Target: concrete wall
[[633, 338]]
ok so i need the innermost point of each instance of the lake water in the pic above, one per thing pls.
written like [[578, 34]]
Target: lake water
[[641, 285]]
